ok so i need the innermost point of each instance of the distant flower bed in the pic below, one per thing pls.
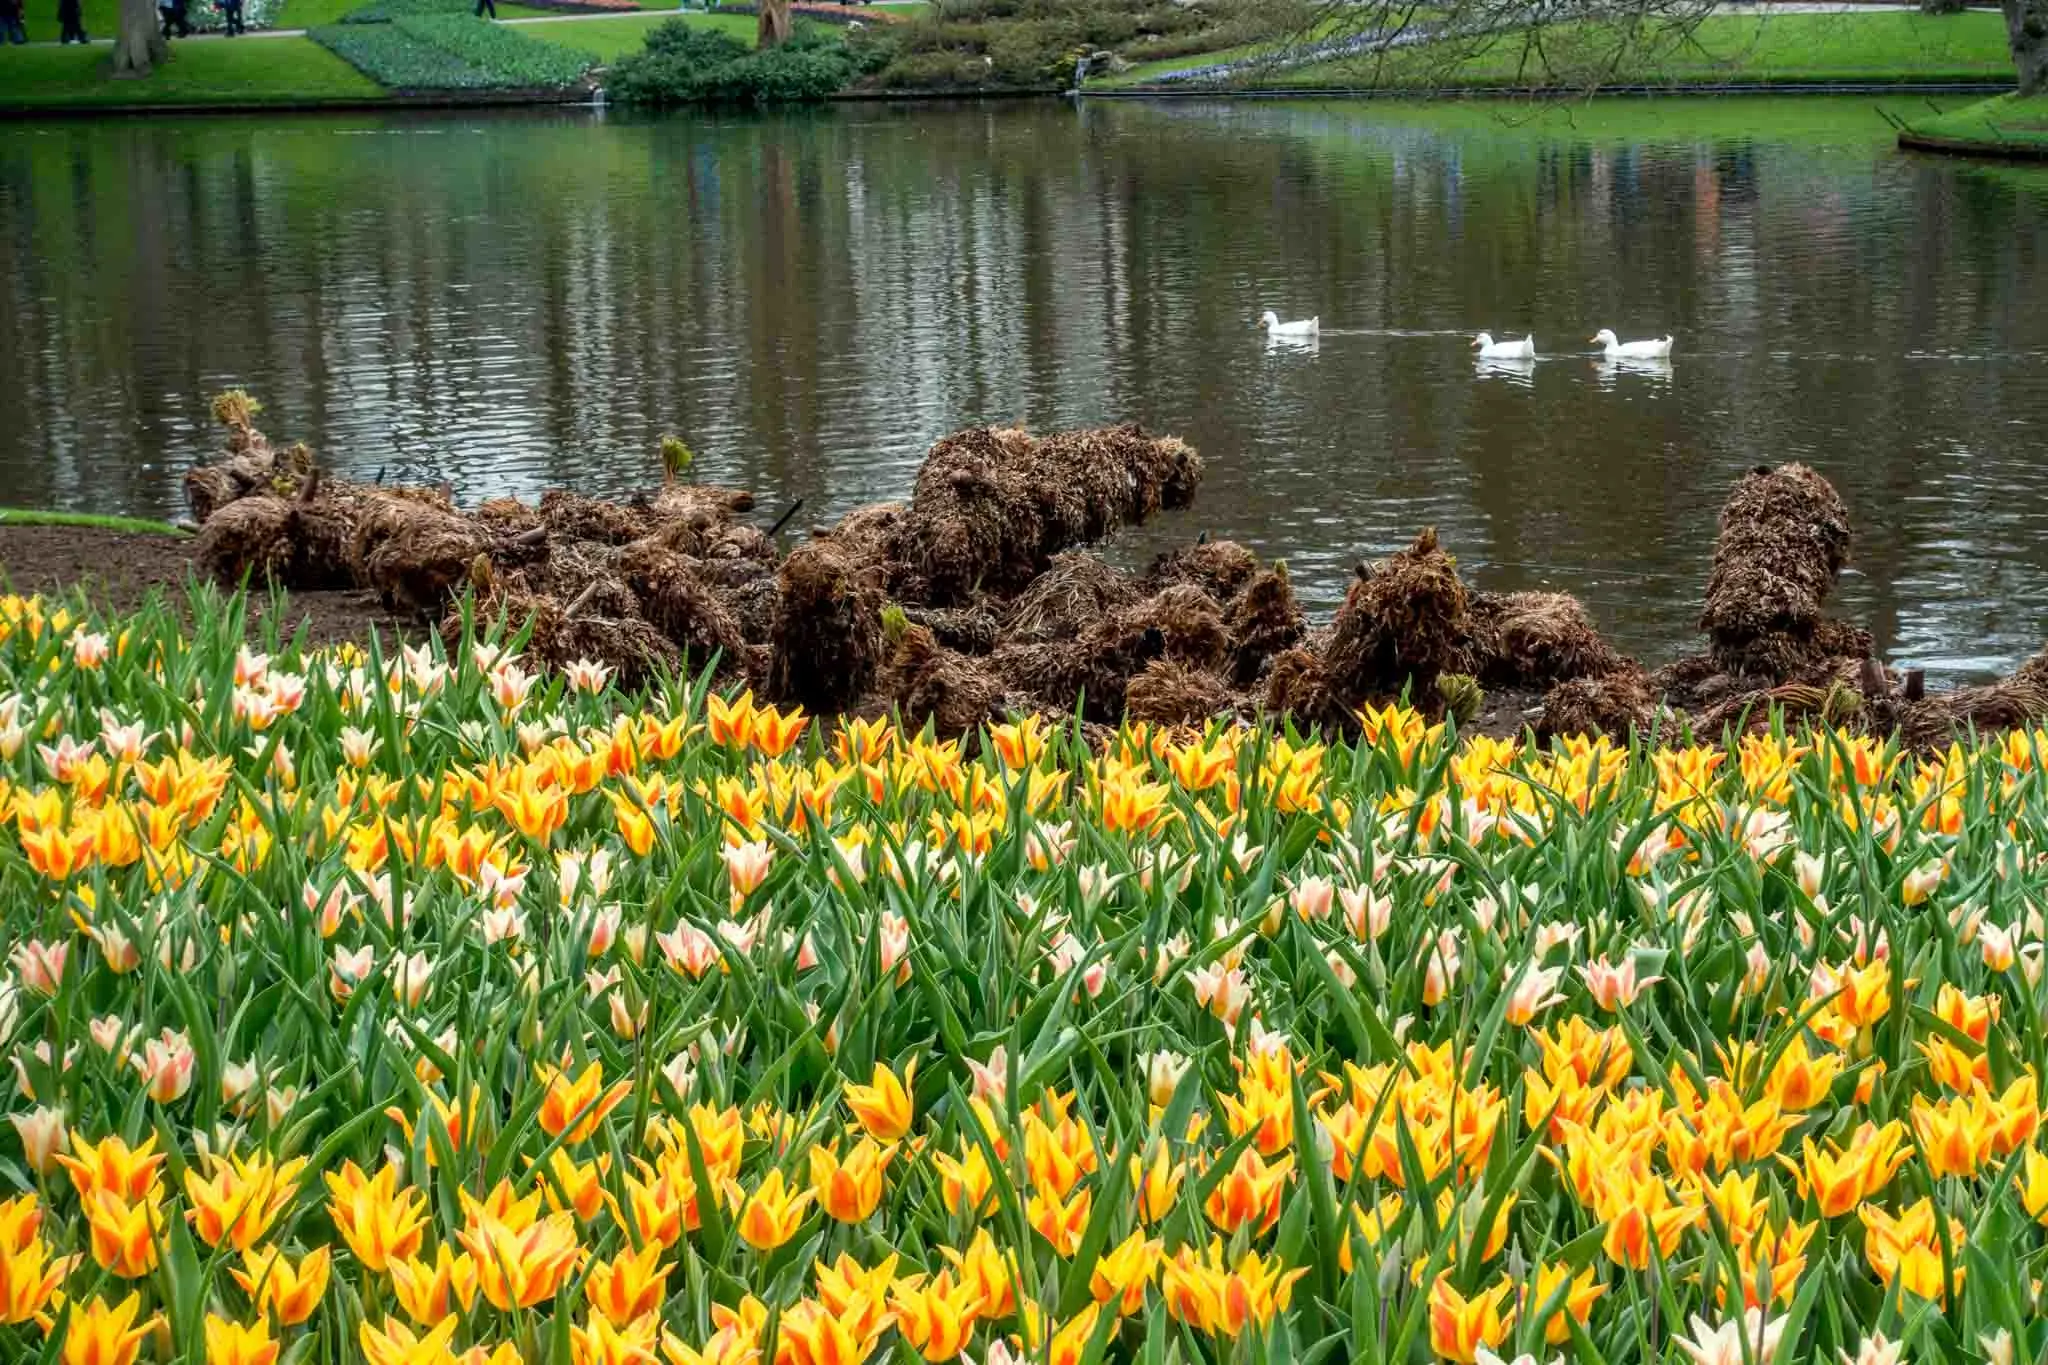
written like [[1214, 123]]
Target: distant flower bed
[[206, 16], [831, 14], [414, 51], [586, 6]]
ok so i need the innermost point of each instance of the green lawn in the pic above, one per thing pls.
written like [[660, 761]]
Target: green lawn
[[29, 516], [213, 71], [1781, 49], [102, 16], [611, 36], [2007, 119], [100, 19]]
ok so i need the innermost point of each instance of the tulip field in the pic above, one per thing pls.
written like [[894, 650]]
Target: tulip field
[[406, 1005]]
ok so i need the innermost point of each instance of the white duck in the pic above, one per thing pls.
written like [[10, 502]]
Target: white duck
[[1617, 349], [1489, 349], [1306, 327]]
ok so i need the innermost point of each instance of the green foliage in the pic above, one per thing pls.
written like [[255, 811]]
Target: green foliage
[[509, 56], [398, 60], [452, 52], [1462, 696], [1034, 43], [676, 456], [685, 64]]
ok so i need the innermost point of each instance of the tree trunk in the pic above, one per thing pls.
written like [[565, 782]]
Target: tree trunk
[[773, 30], [2026, 28], [139, 45]]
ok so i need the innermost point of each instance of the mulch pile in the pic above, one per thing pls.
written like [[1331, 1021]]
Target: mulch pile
[[976, 598]]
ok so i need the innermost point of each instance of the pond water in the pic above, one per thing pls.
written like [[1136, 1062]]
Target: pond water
[[513, 301]]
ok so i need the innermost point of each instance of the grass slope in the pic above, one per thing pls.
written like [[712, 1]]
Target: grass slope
[[252, 71], [29, 516], [2004, 121], [609, 37], [1742, 49]]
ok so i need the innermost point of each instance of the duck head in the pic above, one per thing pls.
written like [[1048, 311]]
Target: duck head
[[1269, 319], [1482, 341], [1605, 337]]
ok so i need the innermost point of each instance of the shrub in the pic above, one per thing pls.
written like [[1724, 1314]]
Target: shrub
[[1033, 43], [935, 70], [686, 65]]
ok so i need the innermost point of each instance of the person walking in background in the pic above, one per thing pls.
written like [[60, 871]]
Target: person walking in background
[[13, 26], [231, 12], [71, 18], [489, 7]]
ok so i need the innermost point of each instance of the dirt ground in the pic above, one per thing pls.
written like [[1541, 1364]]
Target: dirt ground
[[118, 569]]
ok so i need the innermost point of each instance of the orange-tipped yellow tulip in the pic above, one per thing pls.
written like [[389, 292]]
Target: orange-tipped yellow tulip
[[288, 1292], [130, 1172], [518, 1268], [817, 1336], [100, 1335], [239, 1198], [966, 1181], [629, 1286], [1576, 1296], [770, 1215], [124, 1235], [1459, 1327], [429, 1293], [858, 1295], [28, 1275], [884, 1108], [376, 1219], [992, 1272], [576, 1106], [936, 1317], [232, 1343], [1123, 1273], [395, 1343], [849, 1190], [1249, 1193]]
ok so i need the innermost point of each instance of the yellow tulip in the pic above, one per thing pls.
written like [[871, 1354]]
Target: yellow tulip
[[99, 1335], [849, 1190], [289, 1292], [937, 1316], [378, 1222], [884, 1108], [232, 1343], [770, 1215]]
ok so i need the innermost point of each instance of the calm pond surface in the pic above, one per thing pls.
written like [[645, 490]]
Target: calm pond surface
[[516, 300]]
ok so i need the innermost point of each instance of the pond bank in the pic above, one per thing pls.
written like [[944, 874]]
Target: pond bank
[[1736, 54], [2006, 127], [980, 597]]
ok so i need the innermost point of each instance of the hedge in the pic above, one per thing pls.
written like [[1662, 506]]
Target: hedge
[[687, 65]]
